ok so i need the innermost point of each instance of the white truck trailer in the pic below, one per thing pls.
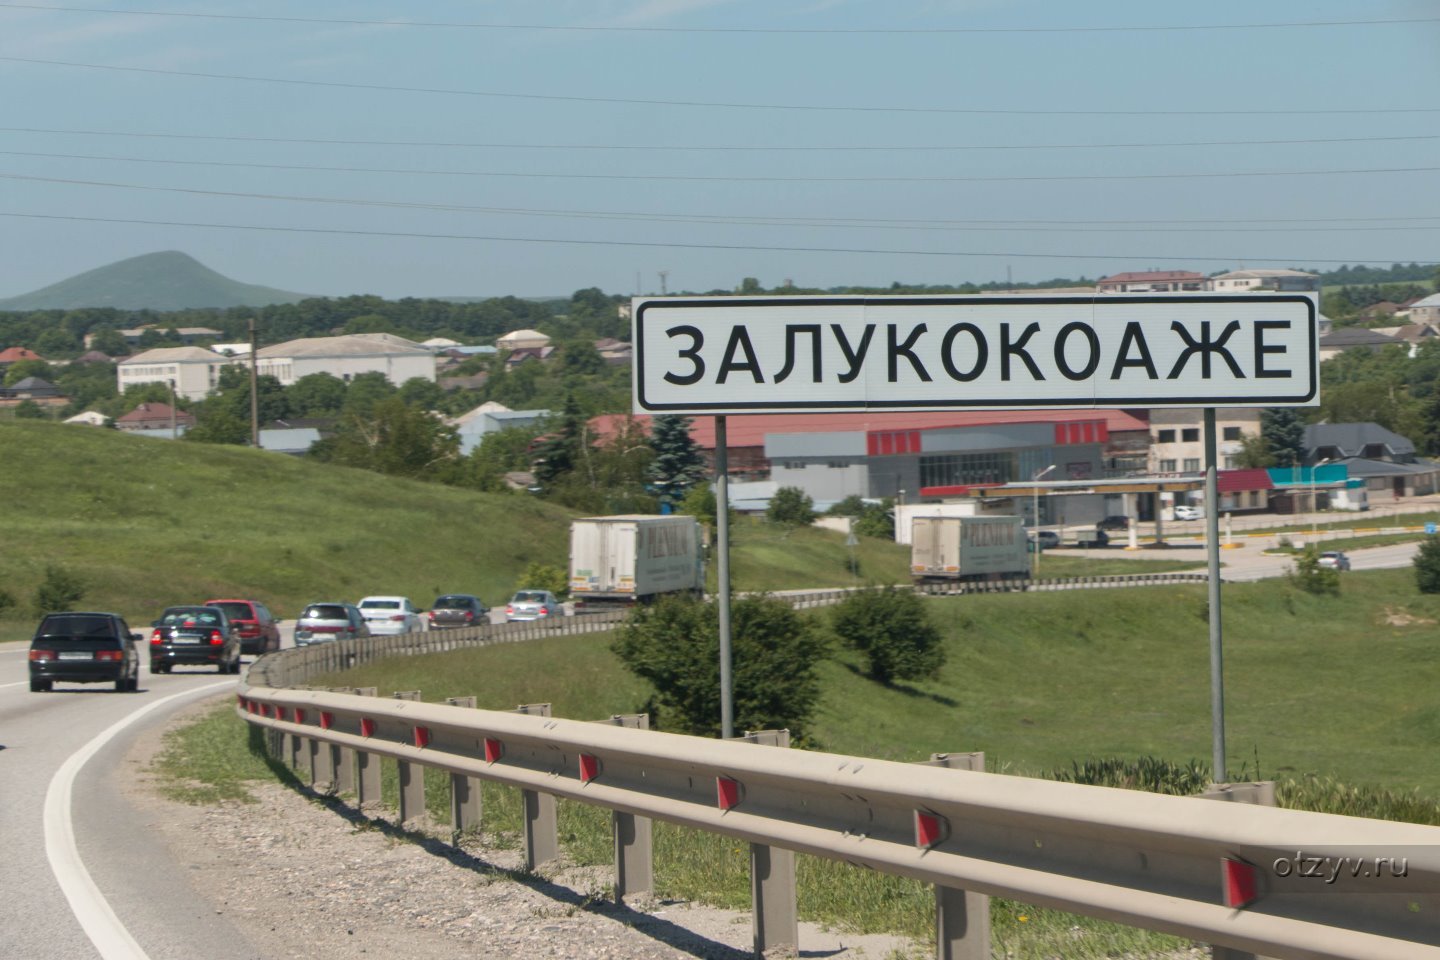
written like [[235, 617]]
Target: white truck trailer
[[968, 548], [632, 558]]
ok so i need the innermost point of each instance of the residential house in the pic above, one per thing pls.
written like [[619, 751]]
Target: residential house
[[473, 425], [15, 354], [1384, 460], [93, 356], [347, 357], [1152, 281], [294, 436], [1425, 310], [1280, 281], [156, 420], [614, 352], [1351, 338], [1412, 334], [522, 339], [516, 357], [194, 372], [34, 389]]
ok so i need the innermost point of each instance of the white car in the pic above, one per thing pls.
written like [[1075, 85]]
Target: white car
[[388, 616], [1187, 512]]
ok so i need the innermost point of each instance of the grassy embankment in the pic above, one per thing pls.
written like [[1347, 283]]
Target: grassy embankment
[[147, 523], [1319, 688]]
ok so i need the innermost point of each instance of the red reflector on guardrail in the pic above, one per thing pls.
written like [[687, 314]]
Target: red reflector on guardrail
[[239, 701], [327, 720], [367, 727], [1242, 886], [494, 750], [727, 792], [930, 829], [422, 737], [299, 715], [264, 709], [279, 713], [589, 767]]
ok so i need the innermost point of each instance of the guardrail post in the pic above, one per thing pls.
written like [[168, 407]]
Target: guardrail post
[[342, 759], [634, 862], [412, 777], [542, 841], [962, 918], [367, 766], [1260, 793], [464, 791], [775, 921]]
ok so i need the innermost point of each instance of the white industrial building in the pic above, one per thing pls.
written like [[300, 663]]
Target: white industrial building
[[347, 357], [194, 371]]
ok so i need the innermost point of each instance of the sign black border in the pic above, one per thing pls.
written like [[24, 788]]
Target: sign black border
[[761, 406]]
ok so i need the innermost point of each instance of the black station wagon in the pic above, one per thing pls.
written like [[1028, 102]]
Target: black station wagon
[[84, 648]]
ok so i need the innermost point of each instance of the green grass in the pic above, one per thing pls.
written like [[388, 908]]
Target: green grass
[[1330, 695], [212, 759], [148, 523]]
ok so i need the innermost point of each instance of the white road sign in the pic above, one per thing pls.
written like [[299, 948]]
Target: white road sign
[[790, 354]]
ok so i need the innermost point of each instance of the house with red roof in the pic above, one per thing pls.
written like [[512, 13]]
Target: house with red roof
[[15, 354], [1152, 281], [156, 420]]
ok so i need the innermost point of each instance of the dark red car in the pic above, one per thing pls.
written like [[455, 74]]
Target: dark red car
[[253, 622]]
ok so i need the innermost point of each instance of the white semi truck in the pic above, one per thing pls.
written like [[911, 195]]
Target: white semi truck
[[968, 548], [634, 558]]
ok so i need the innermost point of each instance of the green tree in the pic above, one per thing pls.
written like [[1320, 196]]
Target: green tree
[[564, 445], [316, 395], [675, 645], [1311, 577], [792, 507], [678, 464], [1254, 452], [365, 391], [891, 628], [1284, 434], [21, 369], [1427, 565], [544, 576], [110, 343], [394, 439], [30, 410], [60, 590]]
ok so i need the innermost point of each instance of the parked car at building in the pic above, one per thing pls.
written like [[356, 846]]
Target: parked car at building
[[1334, 560], [84, 648], [1047, 539], [1092, 540], [1186, 511], [258, 630], [458, 610], [328, 620], [387, 616], [533, 605], [200, 635], [1115, 522]]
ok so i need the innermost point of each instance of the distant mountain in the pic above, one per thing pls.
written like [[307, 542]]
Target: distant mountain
[[155, 281]]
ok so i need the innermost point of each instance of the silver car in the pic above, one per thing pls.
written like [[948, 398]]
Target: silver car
[[324, 621], [390, 615], [533, 605]]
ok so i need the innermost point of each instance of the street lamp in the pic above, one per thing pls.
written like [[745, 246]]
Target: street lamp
[[1314, 503], [1036, 492]]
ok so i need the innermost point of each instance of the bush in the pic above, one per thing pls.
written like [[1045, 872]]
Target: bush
[[7, 602], [60, 590], [544, 576], [792, 507], [1313, 578], [675, 645], [1427, 566], [891, 628]]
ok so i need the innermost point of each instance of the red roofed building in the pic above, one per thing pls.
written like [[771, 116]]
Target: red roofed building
[[1152, 281], [155, 418], [15, 354]]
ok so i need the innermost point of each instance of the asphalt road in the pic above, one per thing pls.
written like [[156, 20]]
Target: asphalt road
[[81, 879]]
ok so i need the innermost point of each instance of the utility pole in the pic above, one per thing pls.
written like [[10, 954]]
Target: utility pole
[[663, 275], [254, 392], [174, 430]]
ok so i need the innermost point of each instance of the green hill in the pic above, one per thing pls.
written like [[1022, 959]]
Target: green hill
[[156, 281], [147, 523]]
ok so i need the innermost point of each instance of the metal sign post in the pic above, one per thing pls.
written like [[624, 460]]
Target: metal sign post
[[722, 544], [1212, 555]]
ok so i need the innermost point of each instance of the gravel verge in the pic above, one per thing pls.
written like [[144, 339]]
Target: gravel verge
[[306, 877]]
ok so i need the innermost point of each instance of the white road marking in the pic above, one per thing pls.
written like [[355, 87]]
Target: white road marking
[[89, 905], [19, 684]]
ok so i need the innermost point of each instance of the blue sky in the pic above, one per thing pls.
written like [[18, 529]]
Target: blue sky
[[464, 147]]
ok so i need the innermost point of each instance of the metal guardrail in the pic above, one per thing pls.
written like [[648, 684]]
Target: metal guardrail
[[1224, 873]]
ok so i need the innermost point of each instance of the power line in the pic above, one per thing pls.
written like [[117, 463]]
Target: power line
[[720, 148], [785, 31], [716, 104], [686, 178], [1149, 257], [989, 226]]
